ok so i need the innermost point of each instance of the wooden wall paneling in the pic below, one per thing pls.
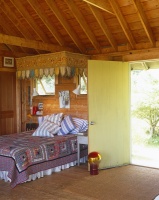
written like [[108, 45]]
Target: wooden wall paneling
[[1, 61], [7, 102], [18, 103], [78, 104], [26, 87]]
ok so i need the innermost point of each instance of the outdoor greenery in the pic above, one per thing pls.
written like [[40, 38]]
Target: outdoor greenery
[[46, 85], [145, 101]]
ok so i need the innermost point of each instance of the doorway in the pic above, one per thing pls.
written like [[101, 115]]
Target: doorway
[[145, 117]]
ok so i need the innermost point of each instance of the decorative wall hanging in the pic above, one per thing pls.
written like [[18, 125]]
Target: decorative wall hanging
[[64, 63], [64, 99]]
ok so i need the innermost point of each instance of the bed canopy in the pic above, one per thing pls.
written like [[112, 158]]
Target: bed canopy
[[61, 63]]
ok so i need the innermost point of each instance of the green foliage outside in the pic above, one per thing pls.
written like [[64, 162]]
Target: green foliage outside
[[145, 103], [46, 85]]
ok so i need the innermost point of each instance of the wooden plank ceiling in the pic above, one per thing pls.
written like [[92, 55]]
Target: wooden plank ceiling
[[92, 27]]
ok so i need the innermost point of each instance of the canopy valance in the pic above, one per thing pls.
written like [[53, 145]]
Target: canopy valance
[[63, 63]]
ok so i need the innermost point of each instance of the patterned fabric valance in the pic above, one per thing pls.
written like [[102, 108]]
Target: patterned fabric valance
[[64, 63], [63, 71]]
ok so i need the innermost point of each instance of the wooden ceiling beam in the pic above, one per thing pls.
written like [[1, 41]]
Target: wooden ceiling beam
[[17, 23], [21, 42], [122, 22], [19, 26], [141, 56], [66, 25], [8, 29], [14, 48], [103, 26], [144, 21], [81, 20], [48, 24], [104, 5], [130, 55], [11, 48], [31, 23], [15, 54], [127, 48]]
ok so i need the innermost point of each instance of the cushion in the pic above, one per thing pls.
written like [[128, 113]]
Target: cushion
[[81, 125], [46, 129], [56, 118], [42, 118], [67, 125], [84, 126], [75, 131]]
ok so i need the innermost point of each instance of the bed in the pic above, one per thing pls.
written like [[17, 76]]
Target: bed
[[33, 154]]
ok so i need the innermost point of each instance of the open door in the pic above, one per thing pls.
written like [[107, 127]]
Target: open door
[[109, 111]]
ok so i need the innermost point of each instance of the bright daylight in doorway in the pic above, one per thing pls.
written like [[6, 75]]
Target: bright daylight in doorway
[[145, 117]]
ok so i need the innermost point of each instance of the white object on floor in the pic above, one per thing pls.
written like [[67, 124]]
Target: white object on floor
[[156, 198]]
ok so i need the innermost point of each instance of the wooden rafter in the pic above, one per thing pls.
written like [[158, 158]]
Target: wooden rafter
[[66, 25], [32, 20], [81, 20], [21, 42], [103, 26], [8, 53], [101, 4], [144, 21], [13, 53], [10, 48], [130, 55], [18, 5], [52, 29], [12, 17], [6, 29], [11, 31], [122, 22]]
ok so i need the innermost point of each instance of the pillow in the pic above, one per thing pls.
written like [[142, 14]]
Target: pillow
[[56, 118], [75, 131], [81, 125], [67, 125], [42, 118], [84, 126], [46, 129]]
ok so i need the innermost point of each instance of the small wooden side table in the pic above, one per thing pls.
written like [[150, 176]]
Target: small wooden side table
[[81, 139]]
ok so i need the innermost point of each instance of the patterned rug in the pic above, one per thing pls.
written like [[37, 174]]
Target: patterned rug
[[121, 183]]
